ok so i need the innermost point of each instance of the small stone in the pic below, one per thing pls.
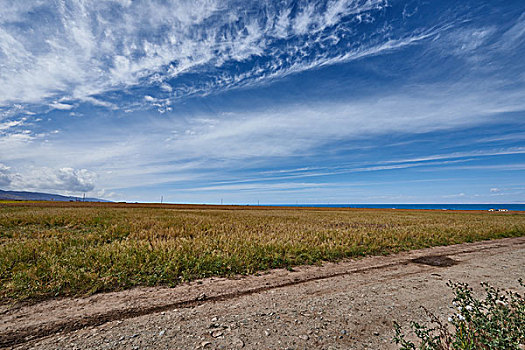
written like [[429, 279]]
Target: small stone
[[238, 343], [344, 332], [214, 319], [216, 333], [304, 337], [202, 297], [376, 333], [161, 333], [205, 344], [266, 333]]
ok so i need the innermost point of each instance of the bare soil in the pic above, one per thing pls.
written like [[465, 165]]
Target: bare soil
[[348, 305]]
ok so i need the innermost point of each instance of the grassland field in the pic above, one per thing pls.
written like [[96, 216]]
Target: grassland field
[[50, 249]]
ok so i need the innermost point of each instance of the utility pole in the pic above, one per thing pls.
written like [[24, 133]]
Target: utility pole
[[161, 199], [257, 202], [221, 201], [84, 197]]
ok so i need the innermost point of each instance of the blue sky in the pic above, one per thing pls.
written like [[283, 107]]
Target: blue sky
[[338, 101]]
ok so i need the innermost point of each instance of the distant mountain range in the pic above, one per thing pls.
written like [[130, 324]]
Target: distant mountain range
[[38, 196]]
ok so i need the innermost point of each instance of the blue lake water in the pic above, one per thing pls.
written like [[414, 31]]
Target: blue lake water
[[510, 207]]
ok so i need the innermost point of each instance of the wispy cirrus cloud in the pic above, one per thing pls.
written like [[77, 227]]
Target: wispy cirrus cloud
[[206, 147], [79, 50], [430, 164]]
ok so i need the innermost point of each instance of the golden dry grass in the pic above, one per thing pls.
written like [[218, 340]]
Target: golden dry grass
[[64, 249]]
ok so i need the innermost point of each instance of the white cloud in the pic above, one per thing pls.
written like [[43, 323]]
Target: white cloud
[[458, 195], [483, 153], [5, 175], [10, 124], [13, 142], [63, 180], [286, 186], [514, 35], [166, 87], [464, 41], [499, 167], [495, 190], [85, 48], [98, 102], [304, 19], [61, 106], [297, 129]]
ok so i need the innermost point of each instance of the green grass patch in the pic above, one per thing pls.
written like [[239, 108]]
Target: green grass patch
[[48, 251]]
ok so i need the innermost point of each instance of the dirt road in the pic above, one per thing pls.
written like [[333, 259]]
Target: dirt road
[[349, 305]]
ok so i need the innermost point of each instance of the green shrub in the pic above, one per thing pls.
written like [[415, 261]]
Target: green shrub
[[496, 322]]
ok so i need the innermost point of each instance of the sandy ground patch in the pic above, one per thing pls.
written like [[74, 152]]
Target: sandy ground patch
[[348, 305]]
